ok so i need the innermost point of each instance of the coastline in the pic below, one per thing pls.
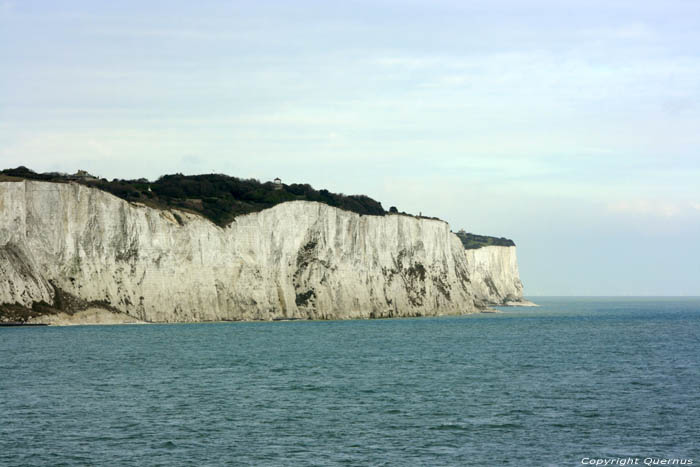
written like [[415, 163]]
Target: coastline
[[521, 303], [102, 317], [91, 316]]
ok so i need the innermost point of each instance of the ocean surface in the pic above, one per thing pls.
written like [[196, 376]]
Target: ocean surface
[[573, 379]]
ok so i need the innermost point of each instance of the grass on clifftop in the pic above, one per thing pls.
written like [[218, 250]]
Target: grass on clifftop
[[220, 198], [472, 241], [217, 197]]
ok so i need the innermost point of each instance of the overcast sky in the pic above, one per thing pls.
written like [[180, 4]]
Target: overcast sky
[[571, 127]]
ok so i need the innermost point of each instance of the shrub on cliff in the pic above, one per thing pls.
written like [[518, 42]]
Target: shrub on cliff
[[472, 241], [217, 197]]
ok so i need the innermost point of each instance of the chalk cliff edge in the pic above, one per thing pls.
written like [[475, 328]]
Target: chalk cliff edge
[[70, 249]]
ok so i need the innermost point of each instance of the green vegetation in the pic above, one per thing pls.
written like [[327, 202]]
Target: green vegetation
[[472, 241], [221, 198], [217, 197]]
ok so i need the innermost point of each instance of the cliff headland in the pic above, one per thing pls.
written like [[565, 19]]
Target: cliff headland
[[75, 248]]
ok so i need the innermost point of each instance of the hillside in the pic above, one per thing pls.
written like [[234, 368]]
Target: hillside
[[221, 198]]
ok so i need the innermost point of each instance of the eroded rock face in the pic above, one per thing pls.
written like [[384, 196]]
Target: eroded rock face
[[296, 260], [494, 274], [20, 281]]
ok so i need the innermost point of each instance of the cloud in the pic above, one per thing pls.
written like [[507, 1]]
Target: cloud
[[6, 9], [636, 31], [654, 208], [411, 62]]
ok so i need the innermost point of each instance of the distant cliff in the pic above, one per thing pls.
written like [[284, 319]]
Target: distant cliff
[[71, 249]]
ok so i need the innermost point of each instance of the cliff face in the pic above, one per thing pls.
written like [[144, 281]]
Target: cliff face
[[70, 247], [494, 275]]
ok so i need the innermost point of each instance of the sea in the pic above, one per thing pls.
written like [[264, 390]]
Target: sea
[[572, 382]]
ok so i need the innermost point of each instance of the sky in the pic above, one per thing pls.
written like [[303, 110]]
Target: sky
[[571, 127]]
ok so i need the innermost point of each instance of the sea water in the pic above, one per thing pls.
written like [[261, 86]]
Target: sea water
[[575, 379]]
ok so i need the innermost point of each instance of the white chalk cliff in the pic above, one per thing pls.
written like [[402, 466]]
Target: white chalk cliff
[[296, 260]]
